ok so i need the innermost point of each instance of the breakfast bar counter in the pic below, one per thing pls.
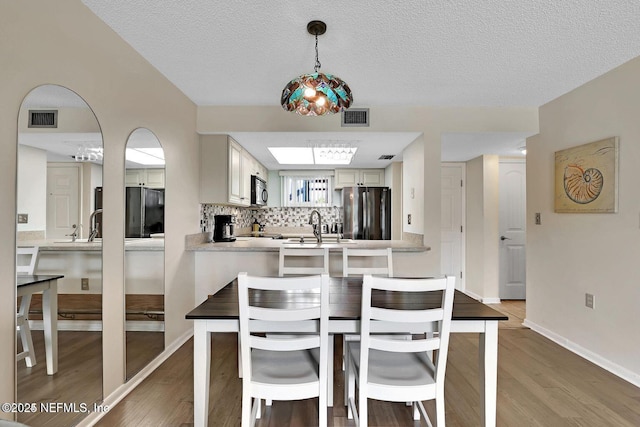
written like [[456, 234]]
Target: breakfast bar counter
[[217, 263], [261, 244]]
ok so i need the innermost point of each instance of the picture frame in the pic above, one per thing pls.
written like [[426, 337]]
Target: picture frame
[[586, 178]]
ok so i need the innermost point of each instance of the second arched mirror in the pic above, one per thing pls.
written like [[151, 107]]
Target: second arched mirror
[[144, 249]]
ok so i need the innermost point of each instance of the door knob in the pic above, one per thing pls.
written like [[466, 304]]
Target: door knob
[[504, 238]]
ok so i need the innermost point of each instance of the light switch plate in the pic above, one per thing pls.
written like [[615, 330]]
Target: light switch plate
[[538, 219], [84, 283], [589, 300], [23, 218], [409, 219]]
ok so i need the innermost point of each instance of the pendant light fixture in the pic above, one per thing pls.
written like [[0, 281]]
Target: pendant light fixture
[[316, 94]]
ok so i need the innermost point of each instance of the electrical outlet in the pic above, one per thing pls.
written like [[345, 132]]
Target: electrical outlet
[[23, 218], [589, 300], [538, 219], [409, 219], [84, 283]]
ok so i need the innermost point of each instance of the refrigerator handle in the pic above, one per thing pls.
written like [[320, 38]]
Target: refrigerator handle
[[365, 214]]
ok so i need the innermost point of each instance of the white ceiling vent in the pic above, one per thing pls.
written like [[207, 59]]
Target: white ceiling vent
[[43, 118], [355, 117]]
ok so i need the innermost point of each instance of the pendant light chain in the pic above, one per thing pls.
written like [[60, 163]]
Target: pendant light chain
[[317, 66]]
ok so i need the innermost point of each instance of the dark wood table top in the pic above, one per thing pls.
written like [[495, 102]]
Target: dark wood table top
[[23, 280], [345, 296]]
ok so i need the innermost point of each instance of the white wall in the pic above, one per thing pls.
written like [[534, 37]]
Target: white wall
[[569, 255], [482, 248], [68, 45], [413, 195], [32, 190]]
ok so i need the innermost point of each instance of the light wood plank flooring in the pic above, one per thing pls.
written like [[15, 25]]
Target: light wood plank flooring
[[79, 377], [539, 384]]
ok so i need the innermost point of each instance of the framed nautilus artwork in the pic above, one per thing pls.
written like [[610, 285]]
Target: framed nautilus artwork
[[587, 178]]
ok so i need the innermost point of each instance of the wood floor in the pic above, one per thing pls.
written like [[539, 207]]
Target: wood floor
[[79, 377], [539, 384]]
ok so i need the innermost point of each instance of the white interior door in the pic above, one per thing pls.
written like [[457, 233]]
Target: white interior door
[[63, 200], [451, 221], [512, 229]]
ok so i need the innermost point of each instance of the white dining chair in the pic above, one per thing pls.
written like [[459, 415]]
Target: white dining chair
[[399, 371], [26, 261], [316, 261], [383, 260], [385, 267], [284, 367]]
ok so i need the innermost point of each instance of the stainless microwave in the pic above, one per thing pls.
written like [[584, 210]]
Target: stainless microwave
[[259, 194]]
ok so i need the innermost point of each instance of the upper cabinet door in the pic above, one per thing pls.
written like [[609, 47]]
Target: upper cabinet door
[[134, 178], [235, 173], [155, 178], [359, 177], [152, 178], [372, 177]]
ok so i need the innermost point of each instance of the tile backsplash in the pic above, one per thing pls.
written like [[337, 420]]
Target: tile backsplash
[[270, 217]]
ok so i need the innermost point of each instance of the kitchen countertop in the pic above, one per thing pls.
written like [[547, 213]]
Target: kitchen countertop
[[83, 245], [264, 244]]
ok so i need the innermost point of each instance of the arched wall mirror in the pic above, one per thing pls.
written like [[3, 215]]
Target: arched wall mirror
[[59, 172], [144, 249]]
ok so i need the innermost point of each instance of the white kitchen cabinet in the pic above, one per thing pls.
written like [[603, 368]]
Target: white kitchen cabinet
[[225, 171], [359, 177], [151, 178]]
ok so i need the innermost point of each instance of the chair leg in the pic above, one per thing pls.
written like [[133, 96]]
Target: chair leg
[[330, 352], [440, 411], [246, 410], [362, 410], [350, 388], [25, 331]]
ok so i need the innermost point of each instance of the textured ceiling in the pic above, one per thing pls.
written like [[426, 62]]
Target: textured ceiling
[[414, 52]]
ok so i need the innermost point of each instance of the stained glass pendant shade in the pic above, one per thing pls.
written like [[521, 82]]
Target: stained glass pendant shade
[[316, 94]]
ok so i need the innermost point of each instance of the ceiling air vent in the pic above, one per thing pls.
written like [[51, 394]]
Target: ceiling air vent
[[355, 117], [43, 118], [386, 157]]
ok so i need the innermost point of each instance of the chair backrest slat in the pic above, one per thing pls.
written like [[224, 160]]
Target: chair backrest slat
[[384, 254], [22, 253], [287, 269]]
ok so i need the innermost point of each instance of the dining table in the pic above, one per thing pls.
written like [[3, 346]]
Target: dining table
[[48, 285], [220, 313]]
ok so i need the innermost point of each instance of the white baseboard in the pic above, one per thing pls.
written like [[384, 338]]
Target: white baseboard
[[121, 392], [473, 295], [482, 300], [606, 364], [96, 325]]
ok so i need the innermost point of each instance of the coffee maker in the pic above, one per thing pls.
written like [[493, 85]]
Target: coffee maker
[[223, 228]]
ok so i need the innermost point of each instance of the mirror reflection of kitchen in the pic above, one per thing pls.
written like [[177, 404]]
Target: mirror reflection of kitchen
[[144, 249], [59, 166]]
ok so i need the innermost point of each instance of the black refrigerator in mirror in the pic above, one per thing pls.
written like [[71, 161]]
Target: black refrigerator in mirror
[[144, 211], [367, 213]]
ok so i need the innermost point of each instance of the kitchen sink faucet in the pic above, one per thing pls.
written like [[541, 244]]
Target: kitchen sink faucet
[[317, 228], [93, 225], [74, 235]]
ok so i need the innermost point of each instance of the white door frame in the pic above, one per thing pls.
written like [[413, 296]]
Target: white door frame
[[461, 277]]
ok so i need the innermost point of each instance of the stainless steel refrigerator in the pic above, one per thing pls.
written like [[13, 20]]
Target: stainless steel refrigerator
[[367, 213], [144, 211]]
